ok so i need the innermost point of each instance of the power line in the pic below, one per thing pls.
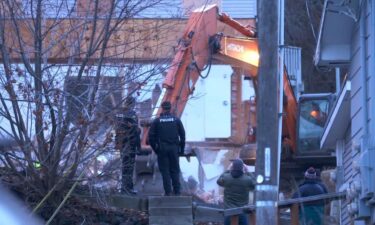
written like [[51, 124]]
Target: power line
[[310, 21]]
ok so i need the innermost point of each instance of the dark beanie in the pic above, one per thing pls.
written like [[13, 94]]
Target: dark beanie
[[166, 105], [237, 168], [237, 165], [310, 173]]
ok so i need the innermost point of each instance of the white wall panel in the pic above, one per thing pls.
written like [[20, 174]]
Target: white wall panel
[[217, 103], [208, 112]]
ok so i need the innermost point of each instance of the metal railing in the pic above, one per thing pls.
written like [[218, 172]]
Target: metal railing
[[291, 206]]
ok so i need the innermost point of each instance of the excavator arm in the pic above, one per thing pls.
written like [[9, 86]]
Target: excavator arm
[[194, 52], [200, 45]]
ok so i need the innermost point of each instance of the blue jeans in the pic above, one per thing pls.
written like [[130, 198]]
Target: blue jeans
[[242, 219]]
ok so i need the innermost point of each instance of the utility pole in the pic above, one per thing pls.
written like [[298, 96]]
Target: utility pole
[[268, 156]]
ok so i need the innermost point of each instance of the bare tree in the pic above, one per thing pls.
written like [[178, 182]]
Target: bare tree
[[67, 66]]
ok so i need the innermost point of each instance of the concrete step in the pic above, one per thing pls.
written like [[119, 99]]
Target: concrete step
[[167, 210]]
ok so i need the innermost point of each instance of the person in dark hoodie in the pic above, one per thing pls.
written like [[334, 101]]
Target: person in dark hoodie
[[167, 138], [128, 142], [311, 213], [237, 183]]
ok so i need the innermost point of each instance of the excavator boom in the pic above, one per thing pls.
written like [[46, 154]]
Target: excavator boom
[[199, 46]]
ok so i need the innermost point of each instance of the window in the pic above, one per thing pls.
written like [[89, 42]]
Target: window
[[312, 118]]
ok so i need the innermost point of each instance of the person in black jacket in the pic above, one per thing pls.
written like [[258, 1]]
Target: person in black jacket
[[311, 213], [128, 142], [167, 138]]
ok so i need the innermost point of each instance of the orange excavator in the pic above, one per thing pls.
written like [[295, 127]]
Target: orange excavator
[[201, 45]]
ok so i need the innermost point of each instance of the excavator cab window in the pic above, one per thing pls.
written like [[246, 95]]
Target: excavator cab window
[[312, 118]]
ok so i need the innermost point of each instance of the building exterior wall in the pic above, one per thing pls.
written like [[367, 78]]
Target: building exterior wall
[[347, 174], [361, 75]]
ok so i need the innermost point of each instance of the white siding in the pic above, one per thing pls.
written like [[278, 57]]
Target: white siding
[[371, 68], [347, 170], [181, 8], [240, 8], [164, 9], [357, 89], [358, 94]]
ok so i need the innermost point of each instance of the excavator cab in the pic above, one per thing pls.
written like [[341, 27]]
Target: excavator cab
[[313, 112]]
